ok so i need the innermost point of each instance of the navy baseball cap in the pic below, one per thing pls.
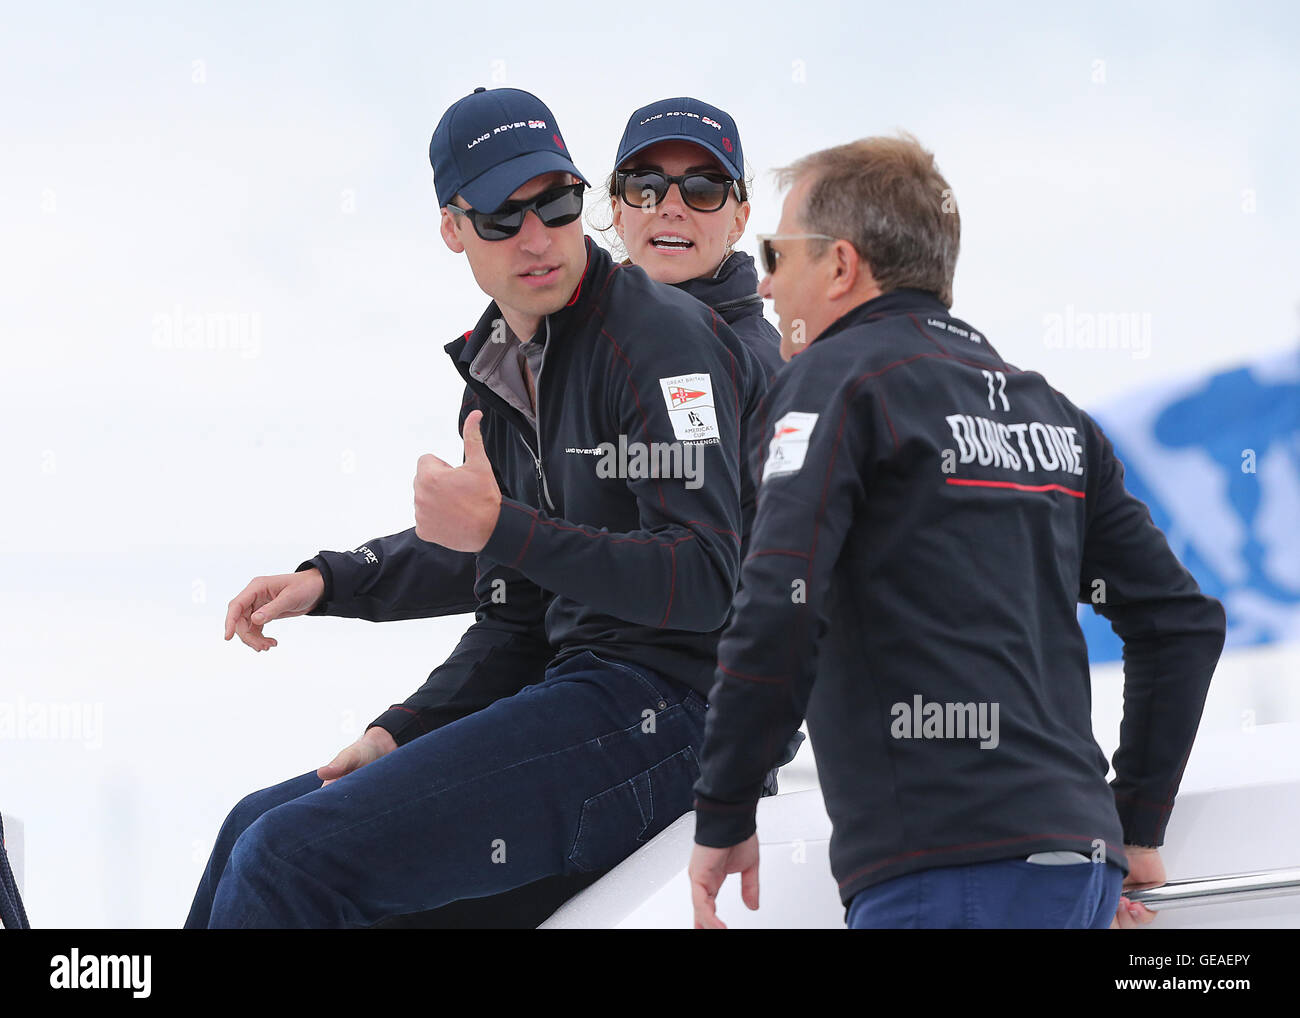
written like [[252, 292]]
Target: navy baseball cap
[[491, 142], [684, 119]]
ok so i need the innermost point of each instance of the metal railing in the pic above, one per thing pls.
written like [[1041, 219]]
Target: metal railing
[[1219, 890]]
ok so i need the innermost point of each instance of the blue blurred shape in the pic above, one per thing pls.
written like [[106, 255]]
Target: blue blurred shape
[[1217, 461]]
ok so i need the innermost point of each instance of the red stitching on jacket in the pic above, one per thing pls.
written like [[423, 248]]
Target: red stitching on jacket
[[672, 584], [529, 539], [414, 714], [612, 538], [735, 399], [852, 391], [753, 678], [716, 530], [609, 278], [830, 467], [645, 424], [961, 360], [885, 410], [898, 364], [617, 349], [946, 351], [1147, 803], [971, 364], [574, 299], [619, 540]]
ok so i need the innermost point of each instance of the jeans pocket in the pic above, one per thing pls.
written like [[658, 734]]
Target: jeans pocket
[[696, 703], [616, 822], [657, 695]]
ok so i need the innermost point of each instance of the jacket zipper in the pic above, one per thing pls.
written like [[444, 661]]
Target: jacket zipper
[[735, 305], [486, 393], [543, 492]]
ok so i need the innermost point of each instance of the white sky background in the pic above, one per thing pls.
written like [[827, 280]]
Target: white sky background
[[1104, 161]]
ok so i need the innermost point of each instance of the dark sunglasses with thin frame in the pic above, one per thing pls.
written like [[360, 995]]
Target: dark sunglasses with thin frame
[[702, 191], [557, 207]]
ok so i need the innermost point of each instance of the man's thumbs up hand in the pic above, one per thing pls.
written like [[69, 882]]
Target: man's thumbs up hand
[[457, 507], [475, 454]]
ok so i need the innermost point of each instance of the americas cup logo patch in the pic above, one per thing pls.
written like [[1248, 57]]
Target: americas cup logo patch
[[789, 445], [689, 399]]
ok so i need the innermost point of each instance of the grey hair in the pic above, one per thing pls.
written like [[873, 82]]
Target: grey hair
[[886, 197]]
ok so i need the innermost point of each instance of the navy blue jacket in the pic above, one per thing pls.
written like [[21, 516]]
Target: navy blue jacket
[[928, 518], [733, 293], [401, 577], [641, 569]]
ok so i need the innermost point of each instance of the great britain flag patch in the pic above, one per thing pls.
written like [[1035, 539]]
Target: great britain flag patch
[[689, 399]]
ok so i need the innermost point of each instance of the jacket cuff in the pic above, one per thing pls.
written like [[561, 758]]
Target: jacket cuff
[[509, 541], [723, 824], [327, 575], [402, 723], [1143, 824]]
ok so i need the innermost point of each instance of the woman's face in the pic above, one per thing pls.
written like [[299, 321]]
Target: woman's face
[[672, 241]]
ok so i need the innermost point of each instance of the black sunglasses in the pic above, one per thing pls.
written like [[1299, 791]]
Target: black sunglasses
[[557, 207], [704, 192]]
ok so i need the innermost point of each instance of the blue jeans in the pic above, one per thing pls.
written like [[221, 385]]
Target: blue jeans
[[568, 776], [1006, 894]]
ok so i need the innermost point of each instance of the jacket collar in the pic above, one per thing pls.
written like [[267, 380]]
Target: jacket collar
[[466, 348], [902, 301], [732, 291]]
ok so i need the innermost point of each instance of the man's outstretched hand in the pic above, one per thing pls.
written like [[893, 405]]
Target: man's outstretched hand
[[457, 507], [370, 747], [272, 597], [709, 868]]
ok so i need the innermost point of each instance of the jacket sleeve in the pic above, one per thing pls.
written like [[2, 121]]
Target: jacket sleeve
[[767, 659], [678, 570], [502, 652], [395, 577], [1172, 633]]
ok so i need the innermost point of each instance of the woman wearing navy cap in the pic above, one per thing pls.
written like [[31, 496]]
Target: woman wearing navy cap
[[680, 204]]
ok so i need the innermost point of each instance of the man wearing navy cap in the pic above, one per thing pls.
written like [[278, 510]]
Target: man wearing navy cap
[[600, 494]]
